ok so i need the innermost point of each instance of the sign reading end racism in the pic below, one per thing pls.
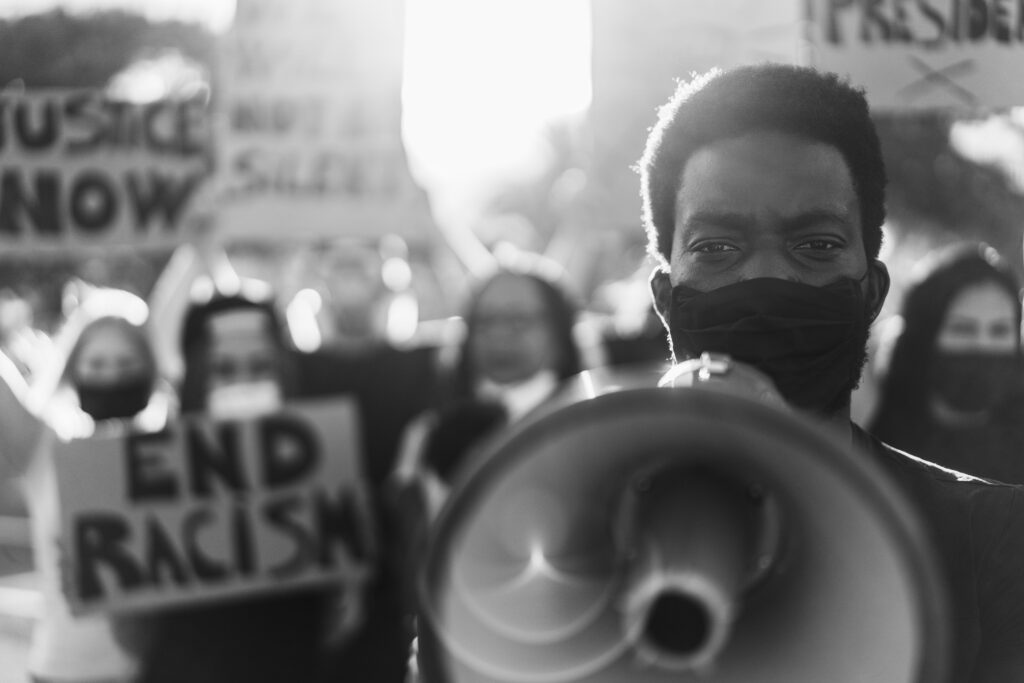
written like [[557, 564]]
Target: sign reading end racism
[[78, 169], [205, 510], [914, 54]]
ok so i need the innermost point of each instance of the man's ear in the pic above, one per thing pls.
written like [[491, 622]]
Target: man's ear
[[877, 288], [661, 294]]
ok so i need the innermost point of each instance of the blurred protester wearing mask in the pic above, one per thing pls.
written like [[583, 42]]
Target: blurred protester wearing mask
[[236, 361], [951, 392], [391, 383], [112, 369], [237, 366], [519, 347], [108, 375]]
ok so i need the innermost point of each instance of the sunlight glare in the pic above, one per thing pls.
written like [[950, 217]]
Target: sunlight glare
[[483, 78]]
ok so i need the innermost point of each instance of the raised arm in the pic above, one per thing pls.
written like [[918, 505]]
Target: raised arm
[[20, 427], [171, 295]]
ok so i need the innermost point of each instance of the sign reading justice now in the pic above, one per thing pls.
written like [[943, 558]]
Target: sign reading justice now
[[206, 510], [79, 169]]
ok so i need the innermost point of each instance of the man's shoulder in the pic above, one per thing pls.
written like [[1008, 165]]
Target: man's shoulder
[[918, 472]]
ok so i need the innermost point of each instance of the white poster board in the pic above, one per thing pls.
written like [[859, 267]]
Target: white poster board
[[963, 54], [309, 123], [80, 170], [204, 511]]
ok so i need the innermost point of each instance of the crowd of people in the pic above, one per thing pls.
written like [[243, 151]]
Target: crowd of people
[[763, 201]]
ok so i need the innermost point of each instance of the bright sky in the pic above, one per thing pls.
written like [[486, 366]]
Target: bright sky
[[482, 77]]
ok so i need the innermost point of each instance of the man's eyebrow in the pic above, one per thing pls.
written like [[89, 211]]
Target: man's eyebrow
[[719, 218], [816, 216], [737, 220]]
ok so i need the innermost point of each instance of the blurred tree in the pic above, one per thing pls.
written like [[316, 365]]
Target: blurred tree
[[58, 49], [937, 194]]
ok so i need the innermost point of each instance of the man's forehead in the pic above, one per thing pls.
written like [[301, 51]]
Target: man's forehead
[[763, 171]]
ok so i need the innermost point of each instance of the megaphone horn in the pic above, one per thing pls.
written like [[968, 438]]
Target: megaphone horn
[[678, 534], [695, 542]]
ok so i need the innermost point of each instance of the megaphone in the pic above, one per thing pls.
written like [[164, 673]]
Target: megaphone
[[697, 533]]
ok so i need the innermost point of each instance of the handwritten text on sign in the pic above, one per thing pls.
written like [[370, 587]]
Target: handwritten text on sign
[[923, 53], [206, 510], [311, 114], [78, 169]]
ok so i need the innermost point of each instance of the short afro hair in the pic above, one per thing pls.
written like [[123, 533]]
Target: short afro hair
[[720, 105]]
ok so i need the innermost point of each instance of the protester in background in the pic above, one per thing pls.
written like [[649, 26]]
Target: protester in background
[[236, 360], [237, 366], [519, 348], [951, 391], [391, 384], [108, 374]]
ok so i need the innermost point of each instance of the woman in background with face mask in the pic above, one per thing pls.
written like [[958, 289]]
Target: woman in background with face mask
[[237, 366], [112, 369], [236, 362], [952, 387], [518, 349], [106, 375]]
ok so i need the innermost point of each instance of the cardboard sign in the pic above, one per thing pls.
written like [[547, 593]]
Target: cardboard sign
[[204, 511], [963, 54], [309, 143], [80, 170]]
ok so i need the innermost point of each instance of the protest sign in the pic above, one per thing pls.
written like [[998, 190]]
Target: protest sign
[[211, 510], [78, 169], [963, 54], [309, 139]]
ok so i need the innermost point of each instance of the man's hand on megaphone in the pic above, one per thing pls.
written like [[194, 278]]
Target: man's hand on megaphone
[[721, 372]]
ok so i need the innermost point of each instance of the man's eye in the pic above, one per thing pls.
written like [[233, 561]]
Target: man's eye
[[819, 245], [713, 248]]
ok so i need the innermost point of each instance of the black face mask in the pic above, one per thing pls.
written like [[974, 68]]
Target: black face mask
[[810, 340], [122, 400], [974, 382]]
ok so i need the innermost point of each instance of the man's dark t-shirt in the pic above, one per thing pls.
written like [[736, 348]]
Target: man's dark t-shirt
[[977, 528]]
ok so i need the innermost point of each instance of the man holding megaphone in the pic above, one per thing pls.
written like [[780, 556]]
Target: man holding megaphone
[[763, 198], [702, 532]]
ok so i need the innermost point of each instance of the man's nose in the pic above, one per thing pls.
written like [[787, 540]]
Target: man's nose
[[771, 264]]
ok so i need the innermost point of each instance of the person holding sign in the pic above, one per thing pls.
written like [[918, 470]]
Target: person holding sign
[[238, 374], [109, 374]]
